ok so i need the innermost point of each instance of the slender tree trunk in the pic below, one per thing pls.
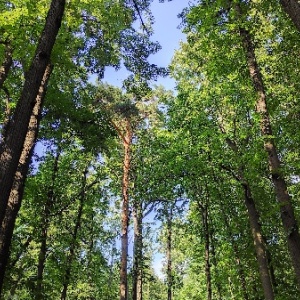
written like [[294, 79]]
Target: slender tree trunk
[[292, 8], [169, 253], [204, 214], [73, 243], [14, 283], [15, 134], [44, 231], [259, 244], [137, 290], [23, 250], [215, 262], [16, 194], [287, 212], [258, 238], [42, 254], [7, 63], [125, 210]]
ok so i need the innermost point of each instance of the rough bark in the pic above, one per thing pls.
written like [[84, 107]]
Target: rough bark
[[44, 231], [125, 209], [169, 253], [287, 212], [137, 290], [292, 8], [16, 194], [73, 243], [15, 134]]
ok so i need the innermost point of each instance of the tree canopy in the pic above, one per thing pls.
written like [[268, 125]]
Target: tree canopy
[[98, 182]]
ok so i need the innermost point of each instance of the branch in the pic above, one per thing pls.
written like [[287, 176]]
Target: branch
[[140, 16], [121, 135], [229, 170]]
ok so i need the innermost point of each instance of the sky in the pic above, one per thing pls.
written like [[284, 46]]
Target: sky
[[166, 32]]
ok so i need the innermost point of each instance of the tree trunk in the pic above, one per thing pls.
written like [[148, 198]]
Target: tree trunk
[[125, 210], [259, 244], [169, 253], [215, 262], [73, 243], [42, 254], [292, 8], [258, 239], [287, 212], [137, 291], [16, 194], [204, 214], [44, 231], [13, 140], [7, 63]]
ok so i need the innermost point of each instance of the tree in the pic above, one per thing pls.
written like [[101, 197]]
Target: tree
[[16, 194], [15, 134]]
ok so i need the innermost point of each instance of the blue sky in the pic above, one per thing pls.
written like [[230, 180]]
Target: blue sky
[[166, 32]]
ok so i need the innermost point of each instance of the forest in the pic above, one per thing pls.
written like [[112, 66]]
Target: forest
[[99, 184]]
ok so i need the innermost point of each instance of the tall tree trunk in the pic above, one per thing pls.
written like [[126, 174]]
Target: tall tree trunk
[[16, 194], [215, 262], [258, 238], [287, 212], [73, 243], [125, 209], [259, 244], [292, 8], [169, 252], [42, 253], [137, 290], [15, 135], [204, 214], [44, 231]]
